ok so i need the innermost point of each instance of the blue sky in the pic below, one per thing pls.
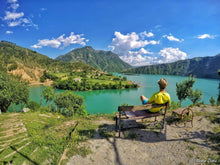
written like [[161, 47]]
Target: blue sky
[[141, 32]]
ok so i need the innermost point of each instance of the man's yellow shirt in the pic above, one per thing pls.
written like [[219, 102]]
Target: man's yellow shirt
[[159, 98]]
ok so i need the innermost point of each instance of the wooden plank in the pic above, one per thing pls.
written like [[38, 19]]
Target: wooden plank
[[140, 107]]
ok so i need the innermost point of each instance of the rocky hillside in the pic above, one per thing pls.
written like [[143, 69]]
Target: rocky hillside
[[29, 64], [203, 67], [102, 60]]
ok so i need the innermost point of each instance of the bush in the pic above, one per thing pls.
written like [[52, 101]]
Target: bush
[[174, 105], [70, 104], [33, 105], [212, 101], [195, 96], [13, 67]]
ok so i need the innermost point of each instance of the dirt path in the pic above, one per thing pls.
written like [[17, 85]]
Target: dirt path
[[178, 145]]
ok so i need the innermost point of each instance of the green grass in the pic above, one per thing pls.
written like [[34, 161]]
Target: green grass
[[130, 135], [51, 135]]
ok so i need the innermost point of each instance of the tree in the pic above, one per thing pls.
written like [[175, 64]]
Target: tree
[[48, 95], [12, 91], [212, 101], [70, 103], [195, 96], [218, 99], [184, 89]]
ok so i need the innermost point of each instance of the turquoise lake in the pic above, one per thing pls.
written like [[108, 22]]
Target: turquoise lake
[[107, 101]]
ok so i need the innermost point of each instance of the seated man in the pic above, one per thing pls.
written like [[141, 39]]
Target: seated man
[[160, 97]]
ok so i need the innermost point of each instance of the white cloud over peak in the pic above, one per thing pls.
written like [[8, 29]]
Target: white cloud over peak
[[61, 41], [170, 37], [130, 47], [204, 36], [171, 54]]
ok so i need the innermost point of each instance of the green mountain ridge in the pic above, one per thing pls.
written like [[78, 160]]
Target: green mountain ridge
[[201, 67], [26, 61], [99, 59]]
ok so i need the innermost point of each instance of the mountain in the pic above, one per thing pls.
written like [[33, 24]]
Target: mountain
[[99, 59], [203, 67], [30, 65]]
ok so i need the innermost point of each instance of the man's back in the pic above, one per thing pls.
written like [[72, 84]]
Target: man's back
[[159, 98]]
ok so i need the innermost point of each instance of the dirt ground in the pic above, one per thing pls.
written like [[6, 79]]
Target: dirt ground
[[174, 145]]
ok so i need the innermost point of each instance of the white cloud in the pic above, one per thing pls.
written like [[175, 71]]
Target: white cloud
[[11, 1], [43, 9], [61, 41], [122, 44], [126, 47], [171, 54], [14, 6], [9, 32], [204, 36], [170, 37], [13, 16], [46, 42], [72, 39], [138, 59], [145, 34]]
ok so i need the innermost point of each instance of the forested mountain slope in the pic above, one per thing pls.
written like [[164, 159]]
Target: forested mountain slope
[[102, 60], [30, 65], [203, 67]]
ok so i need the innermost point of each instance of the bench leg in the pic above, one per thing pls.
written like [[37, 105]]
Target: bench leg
[[116, 123], [119, 125]]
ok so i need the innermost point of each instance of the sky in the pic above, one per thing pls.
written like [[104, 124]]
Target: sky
[[141, 32]]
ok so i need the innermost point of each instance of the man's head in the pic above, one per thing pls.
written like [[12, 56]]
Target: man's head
[[162, 83]]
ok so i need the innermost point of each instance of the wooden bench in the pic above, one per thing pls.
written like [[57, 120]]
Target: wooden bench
[[181, 111], [139, 112]]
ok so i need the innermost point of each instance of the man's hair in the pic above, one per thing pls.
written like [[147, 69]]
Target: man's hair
[[162, 83]]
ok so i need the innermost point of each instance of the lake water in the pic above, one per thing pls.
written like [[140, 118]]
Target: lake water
[[107, 101]]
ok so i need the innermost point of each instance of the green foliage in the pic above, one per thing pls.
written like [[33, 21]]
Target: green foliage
[[97, 82], [130, 135], [218, 99], [33, 105], [48, 94], [195, 96], [212, 101], [13, 67], [70, 104], [48, 75], [174, 105], [12, 91], [184, 88]]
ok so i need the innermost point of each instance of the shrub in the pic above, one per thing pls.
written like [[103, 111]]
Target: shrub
[[33, 105], [212, 101], [13, 67], [70, 104], [195, 96]]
